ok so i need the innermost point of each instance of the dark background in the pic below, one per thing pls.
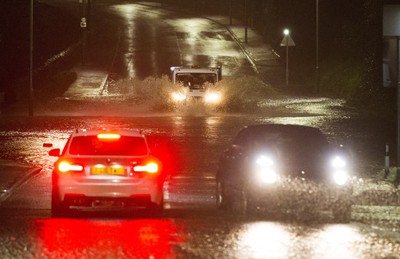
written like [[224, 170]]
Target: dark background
[[350, 42], [53, 32]]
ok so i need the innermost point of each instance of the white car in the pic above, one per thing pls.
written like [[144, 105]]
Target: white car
[[197, 84], [106, 169]]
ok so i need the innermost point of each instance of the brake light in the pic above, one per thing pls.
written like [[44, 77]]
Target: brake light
[[108, 136], [68, 167], [151, 167]]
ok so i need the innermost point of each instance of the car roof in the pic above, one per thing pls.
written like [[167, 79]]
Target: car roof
[[300, 132], [124, 132], [280, 127]]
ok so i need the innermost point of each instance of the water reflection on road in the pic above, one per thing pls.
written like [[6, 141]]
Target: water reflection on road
[[187, 233], [191, 227], [82, 238], [275, 240]]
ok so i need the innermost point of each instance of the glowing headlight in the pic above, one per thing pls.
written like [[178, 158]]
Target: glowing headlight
[[212, 97], [340, 177], [339, 173], [268, 176], [338, 162], [265, 170], [264, 161], [178, 97]]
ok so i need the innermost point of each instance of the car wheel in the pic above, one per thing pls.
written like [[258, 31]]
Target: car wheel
[[155, 208], [58, 208], [222, 200], [246, 204]]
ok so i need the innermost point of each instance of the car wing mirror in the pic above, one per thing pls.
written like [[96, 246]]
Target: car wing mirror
[[55, 152]]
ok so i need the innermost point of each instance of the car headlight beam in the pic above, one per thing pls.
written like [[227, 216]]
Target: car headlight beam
[[178, 97], [212, 97], [339, 169], [338, 162], [340, 177], [268, 176], [264, 161], [265, 170]]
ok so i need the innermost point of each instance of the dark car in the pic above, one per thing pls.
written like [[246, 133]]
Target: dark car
[[277, 167]]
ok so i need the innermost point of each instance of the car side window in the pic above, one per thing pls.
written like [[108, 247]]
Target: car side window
[[240, 139]]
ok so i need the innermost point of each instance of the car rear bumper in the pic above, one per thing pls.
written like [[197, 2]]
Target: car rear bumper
[[100, 201], [78, 193]]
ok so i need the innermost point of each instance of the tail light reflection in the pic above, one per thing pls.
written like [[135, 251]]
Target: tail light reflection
[[71, 238]]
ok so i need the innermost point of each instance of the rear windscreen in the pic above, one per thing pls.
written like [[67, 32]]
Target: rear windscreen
[[124, 146]]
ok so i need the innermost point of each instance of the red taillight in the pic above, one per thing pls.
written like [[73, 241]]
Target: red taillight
[[108, 136], [65, 166], [151, 167]]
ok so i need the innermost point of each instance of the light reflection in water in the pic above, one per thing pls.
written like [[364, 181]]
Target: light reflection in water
[[27, 146], [128, 12], [264, 240], [192, 28], [275, 240], [337, 241], [83, 238], [306, 121]]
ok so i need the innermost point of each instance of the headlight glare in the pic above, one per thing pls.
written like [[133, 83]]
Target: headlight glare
[[338, 162], [264, 161], [265, 169], [178, 97], [212, 97], [268, 176], [340, 177]]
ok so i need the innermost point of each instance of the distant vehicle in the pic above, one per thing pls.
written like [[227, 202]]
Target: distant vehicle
[[195, 81], [271, 164], [100, 169]]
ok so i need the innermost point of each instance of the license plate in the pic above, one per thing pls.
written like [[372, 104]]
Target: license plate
[[107, 203], [108, 170]]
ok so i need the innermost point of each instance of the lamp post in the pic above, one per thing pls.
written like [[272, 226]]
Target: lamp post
[[230, 12], [287, 42], [317, 44], [83, 25], [30, 89], [286, 32], [245, 21]]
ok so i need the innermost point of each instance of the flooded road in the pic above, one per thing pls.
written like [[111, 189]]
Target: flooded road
[[188, 234], [191, 226]]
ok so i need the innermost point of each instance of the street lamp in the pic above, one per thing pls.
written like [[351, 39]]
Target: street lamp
[[286, 32], [287, 42]]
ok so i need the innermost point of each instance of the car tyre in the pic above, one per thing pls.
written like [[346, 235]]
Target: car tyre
[[58, 208], [156, 209], [246, 204], [222, 199]]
